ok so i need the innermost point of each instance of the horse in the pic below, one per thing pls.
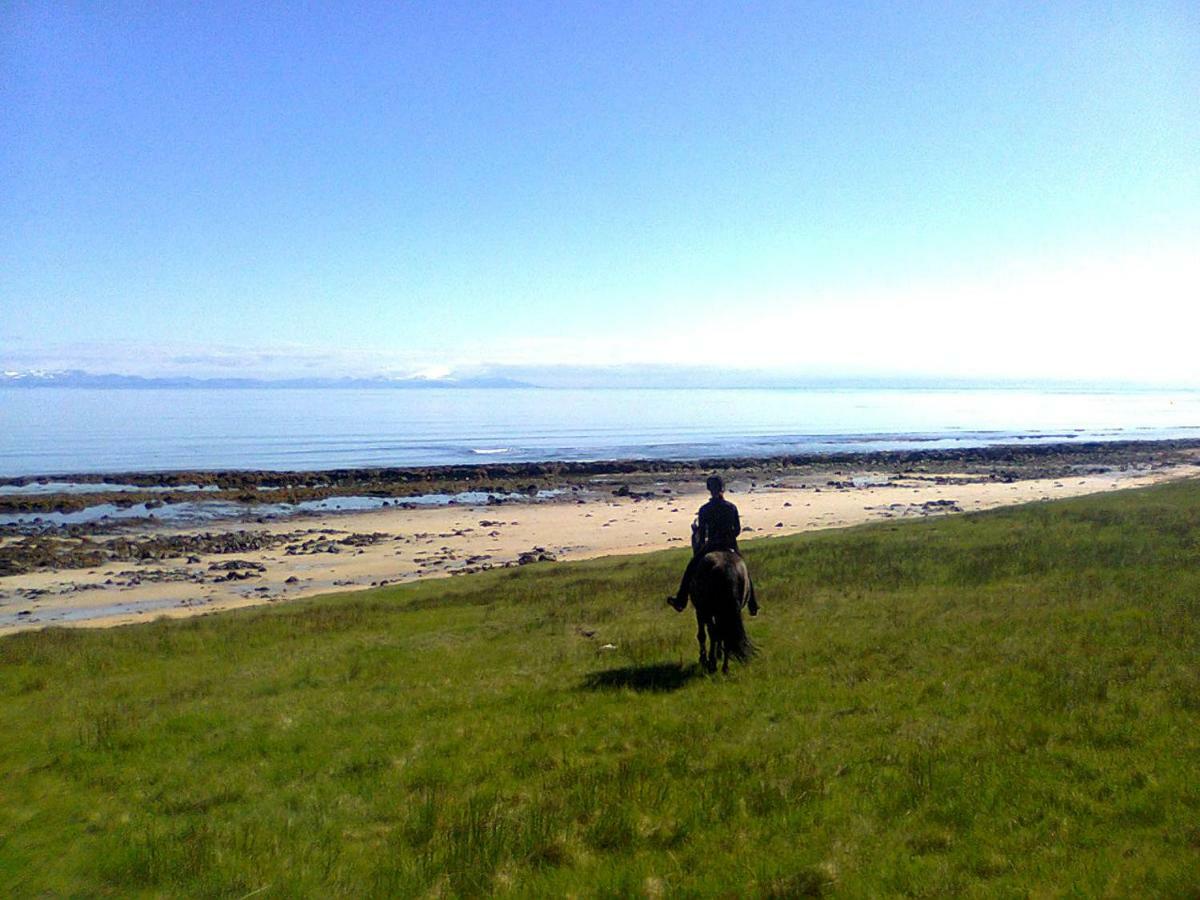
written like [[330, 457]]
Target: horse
[[720, 588]]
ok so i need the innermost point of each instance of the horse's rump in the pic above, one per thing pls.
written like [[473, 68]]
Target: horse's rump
[[720, 588]]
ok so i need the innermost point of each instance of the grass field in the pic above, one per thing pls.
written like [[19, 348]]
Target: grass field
[[1002, 704]]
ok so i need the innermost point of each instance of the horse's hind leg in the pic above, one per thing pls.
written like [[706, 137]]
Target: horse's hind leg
[[713, 649], [700, 638]]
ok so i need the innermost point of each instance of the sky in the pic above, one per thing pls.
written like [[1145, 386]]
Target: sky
[[948, 190]]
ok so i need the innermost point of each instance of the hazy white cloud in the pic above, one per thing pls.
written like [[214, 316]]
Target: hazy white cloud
[[1123, 317]]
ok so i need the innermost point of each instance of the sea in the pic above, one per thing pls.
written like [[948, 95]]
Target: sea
[[47, 431]]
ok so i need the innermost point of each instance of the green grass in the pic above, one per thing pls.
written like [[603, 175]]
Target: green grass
[[1004, 704]]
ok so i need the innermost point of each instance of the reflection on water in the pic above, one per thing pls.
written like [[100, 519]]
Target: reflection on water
[[100, 487], [211, 510], [53, 615]]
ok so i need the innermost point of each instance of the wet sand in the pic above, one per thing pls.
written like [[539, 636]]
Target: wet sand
[[304, 557]]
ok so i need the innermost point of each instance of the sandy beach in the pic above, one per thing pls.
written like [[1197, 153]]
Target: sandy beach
[[243, 563]]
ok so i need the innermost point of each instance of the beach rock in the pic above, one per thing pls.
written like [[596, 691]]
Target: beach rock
[[231, 564], [364, 540]]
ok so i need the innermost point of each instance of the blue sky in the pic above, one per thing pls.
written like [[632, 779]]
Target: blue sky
[[978, 190]]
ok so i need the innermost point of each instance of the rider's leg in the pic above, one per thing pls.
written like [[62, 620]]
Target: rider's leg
[[752, 601], [680, 600]]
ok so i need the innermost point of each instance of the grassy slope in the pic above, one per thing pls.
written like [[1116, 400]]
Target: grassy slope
[[991, 704]]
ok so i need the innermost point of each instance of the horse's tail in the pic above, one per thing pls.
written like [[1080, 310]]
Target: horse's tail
[[732, 632]]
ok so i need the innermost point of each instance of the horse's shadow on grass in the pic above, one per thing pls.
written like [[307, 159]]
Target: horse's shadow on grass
[[655, 678]]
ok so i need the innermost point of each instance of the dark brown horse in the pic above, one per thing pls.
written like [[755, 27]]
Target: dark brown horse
[[720, 588]]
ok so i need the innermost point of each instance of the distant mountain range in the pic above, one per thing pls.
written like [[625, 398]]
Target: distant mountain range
[[563, 376], [75, 378]]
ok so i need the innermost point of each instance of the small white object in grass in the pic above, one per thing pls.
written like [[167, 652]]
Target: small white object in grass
[[608, 646]]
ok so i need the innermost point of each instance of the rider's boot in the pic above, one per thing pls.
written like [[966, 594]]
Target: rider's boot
[[679, 601]]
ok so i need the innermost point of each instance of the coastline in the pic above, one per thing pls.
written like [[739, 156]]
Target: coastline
[[257, 487], [115, 574]]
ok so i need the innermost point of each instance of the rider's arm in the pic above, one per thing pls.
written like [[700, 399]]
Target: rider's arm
[[705, 526]]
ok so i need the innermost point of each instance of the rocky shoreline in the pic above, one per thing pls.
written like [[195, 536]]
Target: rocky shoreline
[[259, 488]]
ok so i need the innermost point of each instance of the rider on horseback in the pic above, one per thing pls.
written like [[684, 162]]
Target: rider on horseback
[[717, 527]]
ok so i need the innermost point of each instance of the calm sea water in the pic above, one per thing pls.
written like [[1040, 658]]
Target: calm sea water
[[48, 430]]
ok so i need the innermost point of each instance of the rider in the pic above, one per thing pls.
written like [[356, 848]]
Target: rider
[[717, 528]]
